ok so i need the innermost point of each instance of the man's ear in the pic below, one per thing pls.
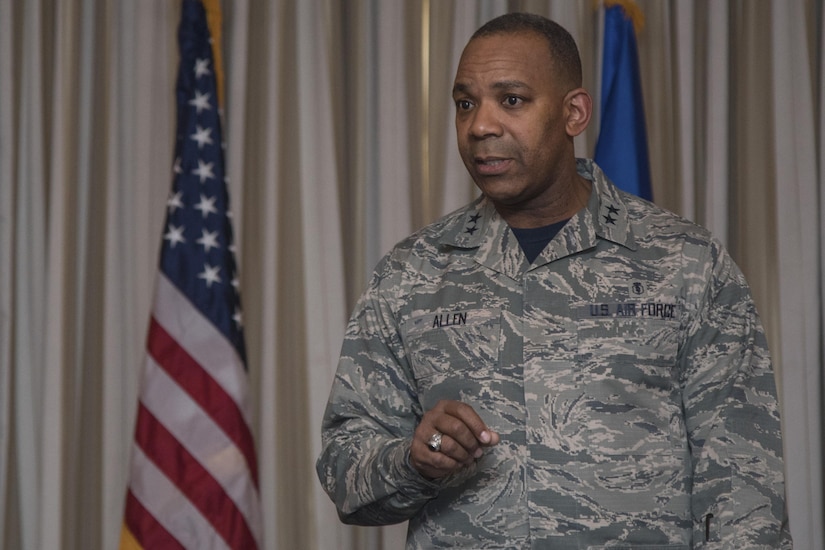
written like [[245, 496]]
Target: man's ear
[[579, 108]]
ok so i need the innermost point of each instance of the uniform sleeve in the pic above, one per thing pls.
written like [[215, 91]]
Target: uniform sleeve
[[732, 414], [370, 419]]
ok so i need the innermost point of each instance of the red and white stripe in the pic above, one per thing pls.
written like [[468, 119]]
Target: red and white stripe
[[194, 471]]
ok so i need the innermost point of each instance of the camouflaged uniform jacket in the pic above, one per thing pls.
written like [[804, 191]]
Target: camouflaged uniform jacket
[[625, 369]]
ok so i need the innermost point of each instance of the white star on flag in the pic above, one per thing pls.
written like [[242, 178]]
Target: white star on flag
[[206, 206], [174, 235], [200, 102], [201, 68], [210, 275], [204, 170], [202, 136], [209, 240], [174, 201]]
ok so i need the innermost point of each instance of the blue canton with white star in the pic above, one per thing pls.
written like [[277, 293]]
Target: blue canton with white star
[[197, 254]]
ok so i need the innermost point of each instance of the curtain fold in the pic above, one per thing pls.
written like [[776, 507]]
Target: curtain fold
[[799, 233], [340, 142], [136, 142]]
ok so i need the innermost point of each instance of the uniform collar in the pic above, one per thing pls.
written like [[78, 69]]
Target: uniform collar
[[606, 215], [479, 226]]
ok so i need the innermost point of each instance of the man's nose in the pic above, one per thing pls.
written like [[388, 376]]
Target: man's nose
[[485, 121]]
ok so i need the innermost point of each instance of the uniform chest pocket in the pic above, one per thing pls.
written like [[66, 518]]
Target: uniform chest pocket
[[446, 343], [623, 396]]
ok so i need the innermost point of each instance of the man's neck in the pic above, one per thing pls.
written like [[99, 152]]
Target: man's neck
[[563, 205]]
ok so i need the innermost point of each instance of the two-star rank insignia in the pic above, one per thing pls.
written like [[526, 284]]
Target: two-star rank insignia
[[474, 221], [608, 218]]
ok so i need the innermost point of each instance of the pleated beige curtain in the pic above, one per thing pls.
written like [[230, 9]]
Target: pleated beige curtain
[[339, 143]]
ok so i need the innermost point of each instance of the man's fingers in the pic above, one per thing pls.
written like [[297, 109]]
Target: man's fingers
[[489, 438], [436, 464], [470, 419], [458, 432], [455, 450], [463, 434]]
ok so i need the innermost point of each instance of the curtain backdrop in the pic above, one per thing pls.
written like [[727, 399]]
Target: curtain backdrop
[[340, 142]]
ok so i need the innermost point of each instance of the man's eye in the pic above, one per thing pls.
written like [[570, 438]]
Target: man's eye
[[512, 100], [463, 104]]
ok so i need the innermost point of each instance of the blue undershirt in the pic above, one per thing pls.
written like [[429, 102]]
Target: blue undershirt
[[535, 239]]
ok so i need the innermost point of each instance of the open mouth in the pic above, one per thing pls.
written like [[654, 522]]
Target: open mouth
[[492, 166]]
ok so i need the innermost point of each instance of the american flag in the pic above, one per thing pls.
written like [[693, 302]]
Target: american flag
[[193, 480]]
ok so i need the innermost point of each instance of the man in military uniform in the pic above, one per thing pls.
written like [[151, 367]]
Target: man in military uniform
[[558, 364]]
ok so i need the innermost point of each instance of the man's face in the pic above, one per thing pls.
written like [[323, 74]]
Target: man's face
[[511, 119]]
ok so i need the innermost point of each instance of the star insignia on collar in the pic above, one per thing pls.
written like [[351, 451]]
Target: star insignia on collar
[[609, 218], [474, 221]]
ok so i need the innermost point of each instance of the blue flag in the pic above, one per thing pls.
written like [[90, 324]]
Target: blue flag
[[621, 150]]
